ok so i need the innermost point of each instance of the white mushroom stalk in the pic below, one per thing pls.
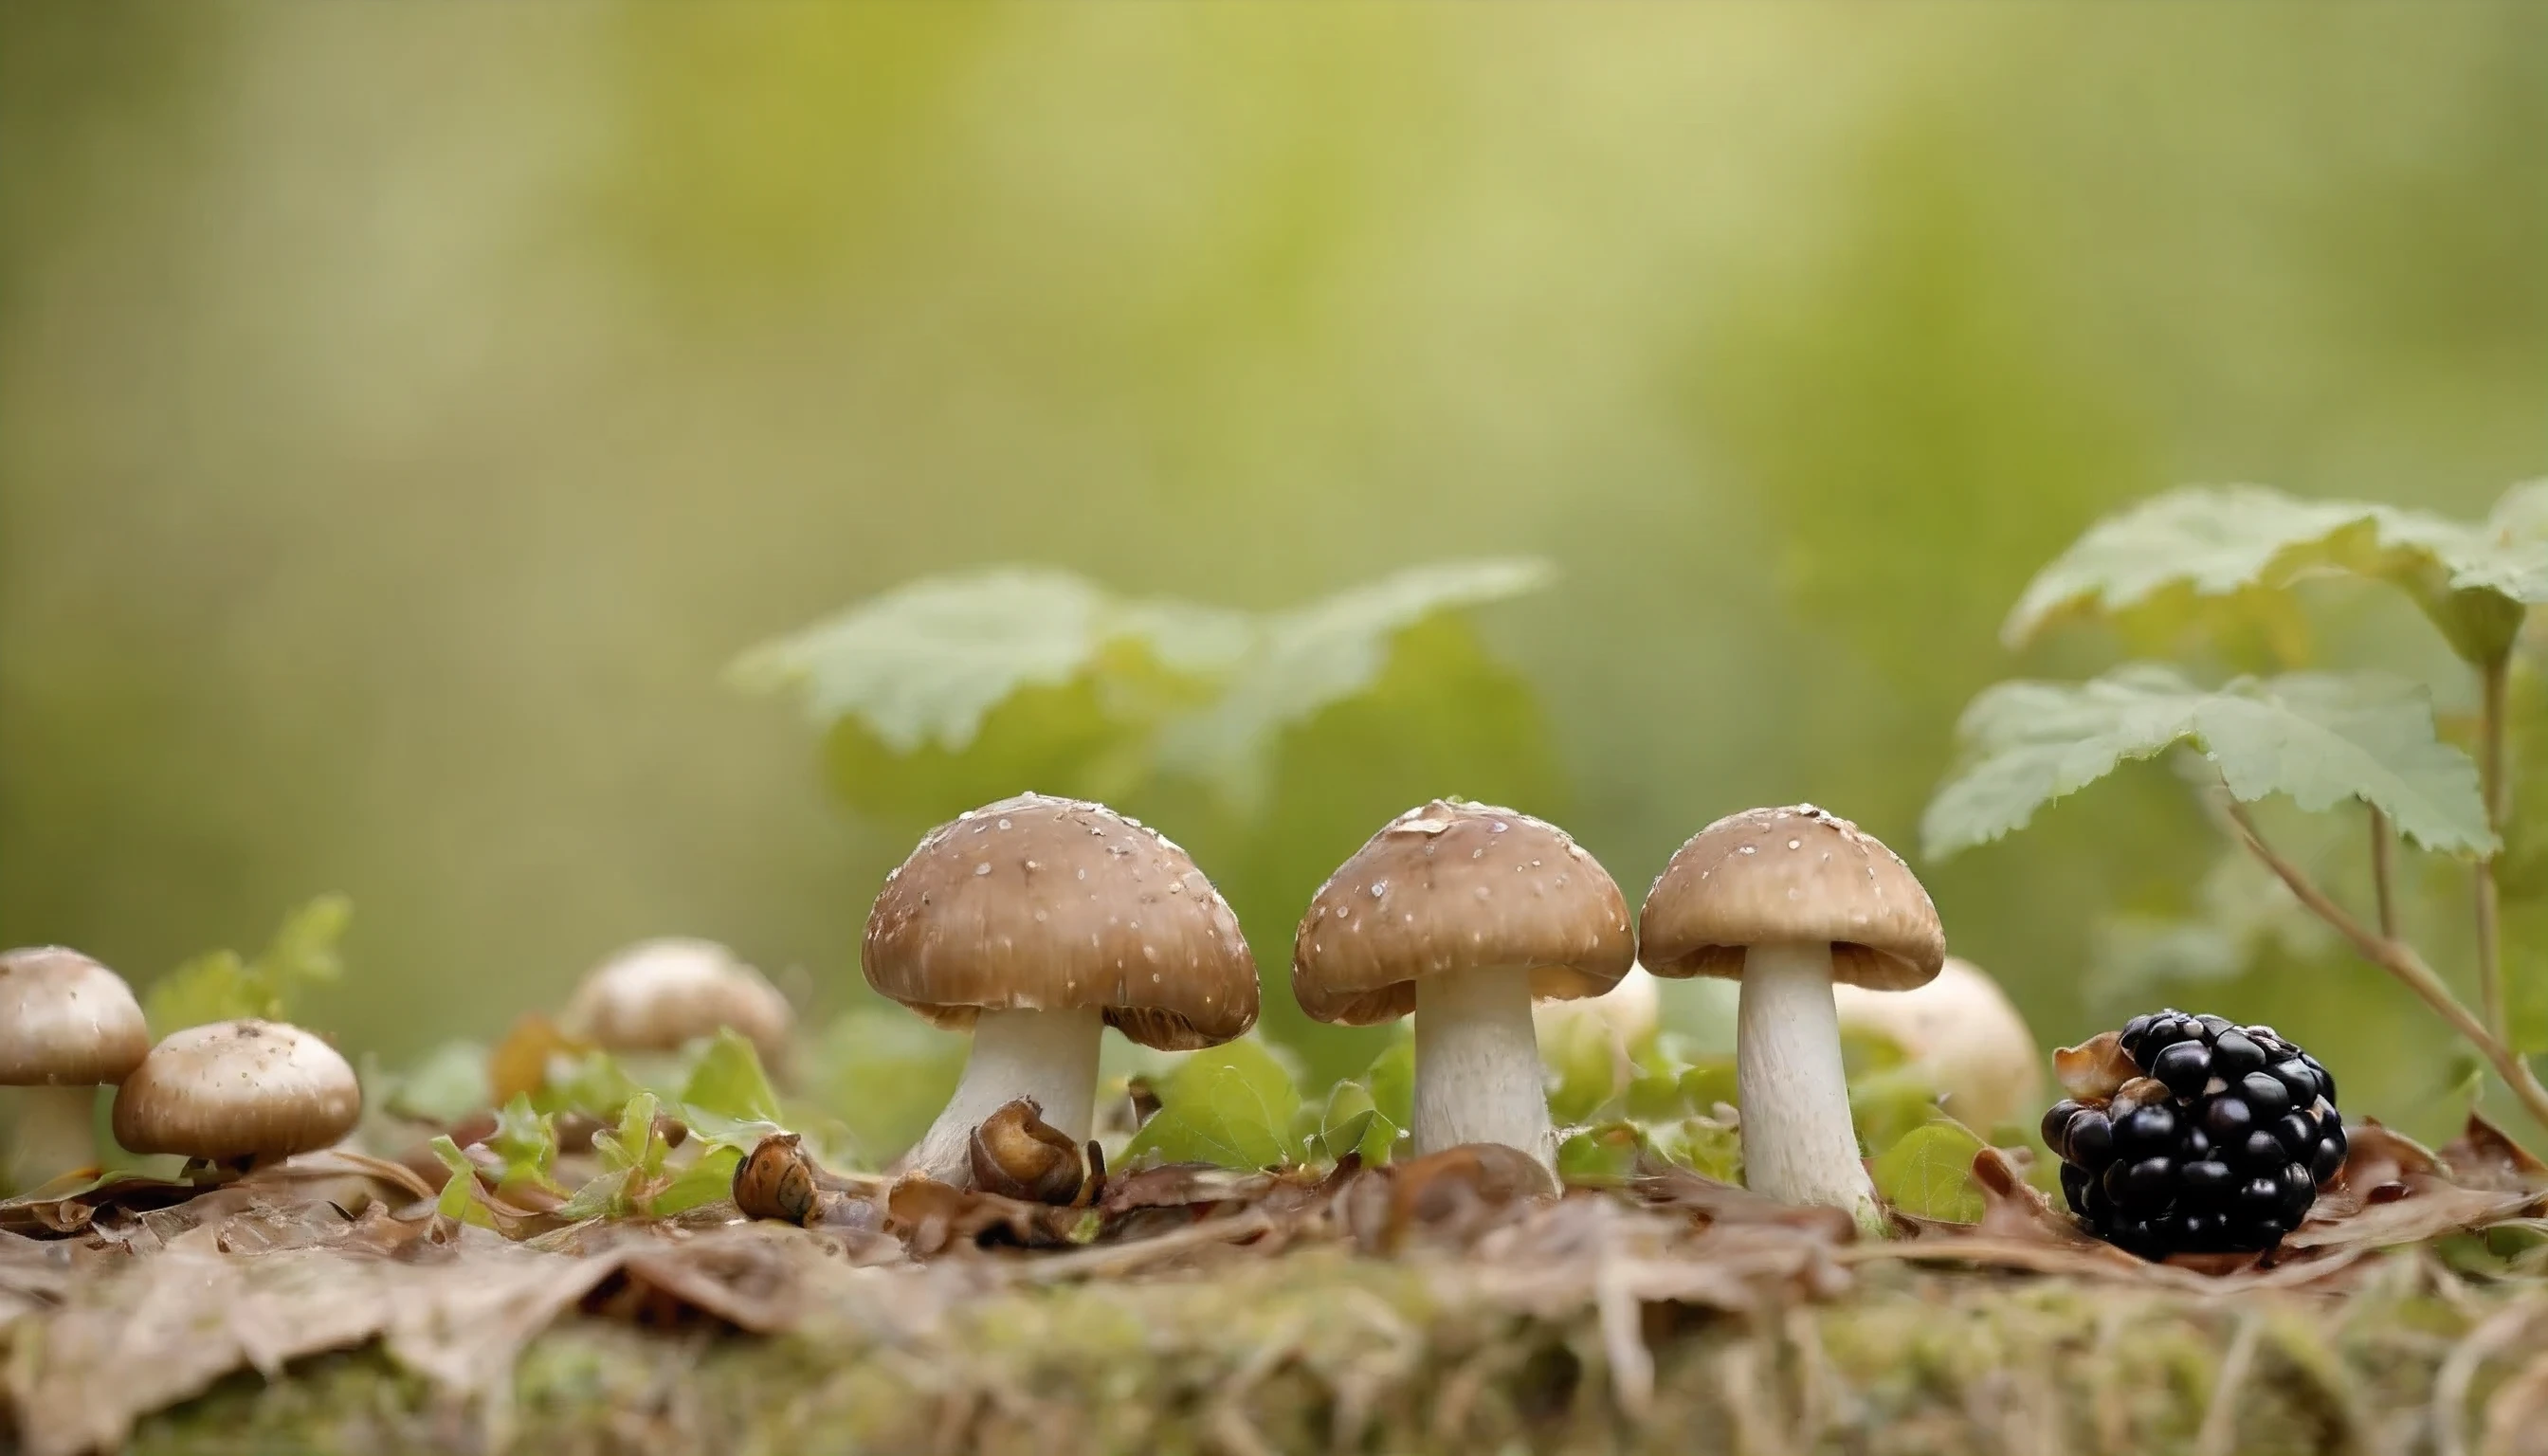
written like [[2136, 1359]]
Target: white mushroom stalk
[[1798, 1144], [1048, 1055], [1478, 1076]]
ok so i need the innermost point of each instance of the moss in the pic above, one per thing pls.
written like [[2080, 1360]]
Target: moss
[[1320, 1351]]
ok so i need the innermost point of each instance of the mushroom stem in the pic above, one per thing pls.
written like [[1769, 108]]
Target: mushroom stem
[[55, 1133], [1477, 1063], [1048, 1055], [1799, 1145]]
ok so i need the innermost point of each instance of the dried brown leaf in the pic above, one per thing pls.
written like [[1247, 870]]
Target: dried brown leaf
[[2094, 1069], [931, 1217], [1713, 1204], [2486, 1156]]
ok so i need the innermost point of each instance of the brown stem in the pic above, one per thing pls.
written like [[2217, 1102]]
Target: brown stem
[[2383, 881], [2401, 960], [2490, 785]]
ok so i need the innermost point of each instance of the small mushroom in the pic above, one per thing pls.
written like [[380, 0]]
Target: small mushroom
[[67, 1024], [657, 995], [1462, 913], [1037, 923], [1963, 1034], [237, 1093], [1789, 901]]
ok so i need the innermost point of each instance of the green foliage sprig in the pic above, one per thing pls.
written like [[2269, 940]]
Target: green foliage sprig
[[2203, 560], [220, 986]]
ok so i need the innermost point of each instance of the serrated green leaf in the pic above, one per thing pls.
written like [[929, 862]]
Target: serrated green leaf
[[922, 664], [1231, 1105], [729, 1082], [220, 986], [2167, 554], [2319, 738], [1929, 1173], [1303, 660]]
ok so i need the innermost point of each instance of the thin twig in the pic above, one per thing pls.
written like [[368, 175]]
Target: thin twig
[[2384, 883], [2401, 960], [2495, 679]]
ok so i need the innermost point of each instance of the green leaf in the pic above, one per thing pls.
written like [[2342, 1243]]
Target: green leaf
[[1706, 1083], [603, 1196], [527, 1142], [886, 1074], [1929, 1174], [728, 1081], [220, 987], [1353, 1122], [1392, 1082], [702, 1182], [449, 1084], [1701, 1144], [2163, 558], [1303, 660], [1600, 1156], [1887, 1106], [2320, 738], [924, 663], [1231, 1105], [593, 1083], [459, 1198], [632, 1144]]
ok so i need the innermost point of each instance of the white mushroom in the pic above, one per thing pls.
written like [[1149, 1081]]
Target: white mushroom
[[656, 995], [1462, 913], [1039, 922], [1963, 1035], [1791, 900]]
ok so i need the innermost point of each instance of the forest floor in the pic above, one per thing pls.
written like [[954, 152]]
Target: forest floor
[[1424, 1308]]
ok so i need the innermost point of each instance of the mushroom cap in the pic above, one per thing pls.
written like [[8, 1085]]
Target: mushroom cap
[[234, 1089], [655, 995], [1787, 875], [1037, 903], [1965, 1033], [66, 1020], [1451, 886]]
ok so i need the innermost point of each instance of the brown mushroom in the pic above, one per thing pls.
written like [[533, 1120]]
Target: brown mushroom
[[1462, 913], [238, 1093], [1790, 900], [67, 1024], [1036, 923]]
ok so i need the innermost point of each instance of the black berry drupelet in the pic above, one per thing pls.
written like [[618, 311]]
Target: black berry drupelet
[[2219, 1145]]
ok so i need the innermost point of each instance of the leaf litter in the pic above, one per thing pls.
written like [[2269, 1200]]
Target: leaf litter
[[122, 1296]]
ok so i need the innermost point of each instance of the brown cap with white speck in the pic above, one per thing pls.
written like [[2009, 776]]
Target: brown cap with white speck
[[1789, 875], [1453, 886], [1047, 904], [237, 1090], [66, 1020]]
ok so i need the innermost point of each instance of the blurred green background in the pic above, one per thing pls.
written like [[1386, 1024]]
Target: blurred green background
[[406, 413]]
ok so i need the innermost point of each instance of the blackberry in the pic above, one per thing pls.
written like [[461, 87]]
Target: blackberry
[[2219, 1143]]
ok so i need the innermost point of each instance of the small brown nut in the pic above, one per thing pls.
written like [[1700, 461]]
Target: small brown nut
[[776, 1180], [1017, 1154]]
